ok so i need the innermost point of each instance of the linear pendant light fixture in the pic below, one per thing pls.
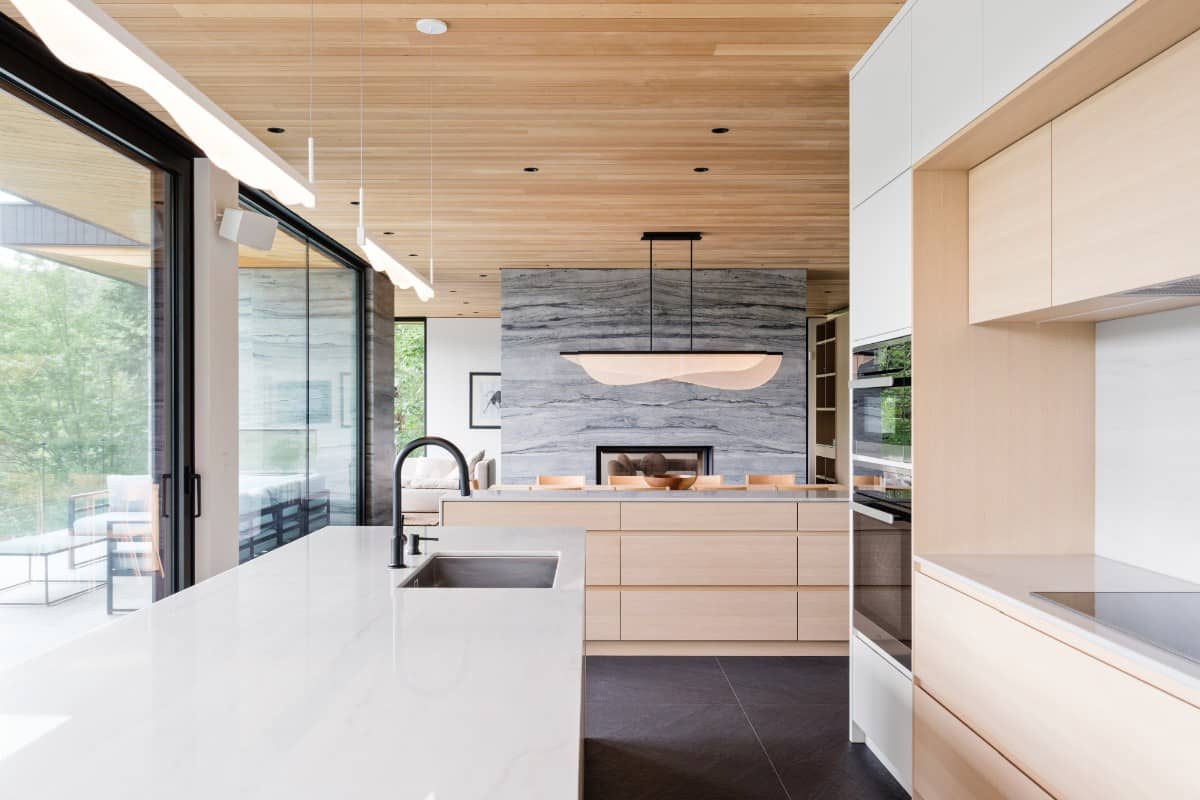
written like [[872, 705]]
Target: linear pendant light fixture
[[85, 38], [717, 369], [380, 259]]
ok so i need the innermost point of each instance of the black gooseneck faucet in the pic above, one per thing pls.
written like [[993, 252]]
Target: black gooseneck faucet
[[464, 487]]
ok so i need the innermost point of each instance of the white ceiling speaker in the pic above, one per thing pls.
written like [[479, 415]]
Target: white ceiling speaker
[[248, 228], [432, 27]]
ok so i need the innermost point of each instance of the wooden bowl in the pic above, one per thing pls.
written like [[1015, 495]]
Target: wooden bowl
[[670, 481]]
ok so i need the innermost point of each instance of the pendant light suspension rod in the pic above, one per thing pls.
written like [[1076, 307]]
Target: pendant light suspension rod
[[362, 26], [431, 163], [312, 25], [691, 295], [651, 295]]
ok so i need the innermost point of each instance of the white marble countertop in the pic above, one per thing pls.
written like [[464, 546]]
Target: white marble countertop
[[653, 496], [1014, 579], [306, 674]]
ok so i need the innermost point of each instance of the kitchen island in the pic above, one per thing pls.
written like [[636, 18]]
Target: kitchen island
[[307, 673], [748, 572]]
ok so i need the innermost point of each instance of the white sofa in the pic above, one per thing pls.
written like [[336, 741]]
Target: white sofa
[[424, 480]]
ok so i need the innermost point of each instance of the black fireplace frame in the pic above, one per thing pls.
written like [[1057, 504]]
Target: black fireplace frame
[[705, 449]]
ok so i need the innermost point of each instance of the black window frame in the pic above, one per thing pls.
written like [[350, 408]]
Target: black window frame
[[31, 72]]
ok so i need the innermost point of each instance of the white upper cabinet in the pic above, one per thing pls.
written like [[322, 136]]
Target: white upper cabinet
[[881, 263], [947, 70], [1022, 36], [880, 119]]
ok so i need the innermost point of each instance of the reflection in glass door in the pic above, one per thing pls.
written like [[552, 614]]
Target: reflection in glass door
[[299, 394], [84, 404]]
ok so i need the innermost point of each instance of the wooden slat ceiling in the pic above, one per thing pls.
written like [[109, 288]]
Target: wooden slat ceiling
[[613, 102]]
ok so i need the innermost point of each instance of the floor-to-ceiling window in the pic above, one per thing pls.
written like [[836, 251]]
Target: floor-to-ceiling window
[[86, 405], [410, 380], [299, 375]]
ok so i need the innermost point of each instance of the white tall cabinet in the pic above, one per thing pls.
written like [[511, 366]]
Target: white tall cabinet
[[937, 66]]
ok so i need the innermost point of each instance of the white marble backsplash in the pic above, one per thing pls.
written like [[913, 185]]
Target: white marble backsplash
[[555, 415]]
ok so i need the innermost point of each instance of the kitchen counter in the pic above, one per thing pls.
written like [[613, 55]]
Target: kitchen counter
[[656, 496], [1007, 582], [306, 674]]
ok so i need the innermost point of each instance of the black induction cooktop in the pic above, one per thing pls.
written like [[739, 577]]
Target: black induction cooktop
[[1167, 620]]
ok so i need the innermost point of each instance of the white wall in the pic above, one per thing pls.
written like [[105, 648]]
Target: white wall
[[216, 376], [1148, 441], [454, 349]]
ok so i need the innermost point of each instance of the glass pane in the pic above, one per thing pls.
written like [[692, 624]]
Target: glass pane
[[82, 401], [410, 381], [299, 388], [273, 436], [333, 391]]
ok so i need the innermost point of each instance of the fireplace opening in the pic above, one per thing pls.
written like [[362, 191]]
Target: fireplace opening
[[650, 460]]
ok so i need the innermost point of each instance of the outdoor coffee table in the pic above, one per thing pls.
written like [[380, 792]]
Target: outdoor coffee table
[[43, 546]]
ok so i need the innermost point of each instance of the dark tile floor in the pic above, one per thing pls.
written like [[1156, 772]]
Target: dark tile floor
[[724, 729]]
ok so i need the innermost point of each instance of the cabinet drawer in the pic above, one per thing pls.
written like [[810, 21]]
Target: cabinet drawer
[[951, 762], [600, 516], [602, 615], [823, 516], [823, 559], [602, 566], [707, 615], [1053, 711], [823, 615], [708, 515], [708, 560]]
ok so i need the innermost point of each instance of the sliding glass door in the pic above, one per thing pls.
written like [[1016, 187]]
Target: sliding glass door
[[299, 370], [85, 400]]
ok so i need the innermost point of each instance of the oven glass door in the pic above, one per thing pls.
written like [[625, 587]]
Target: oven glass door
[[883, 401], [883, 571]]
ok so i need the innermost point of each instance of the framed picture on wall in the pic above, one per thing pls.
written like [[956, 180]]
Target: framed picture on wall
[[485, 400]]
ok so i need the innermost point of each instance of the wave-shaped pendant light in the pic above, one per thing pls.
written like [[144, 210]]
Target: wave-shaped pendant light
[[89, 40], [717, 369]]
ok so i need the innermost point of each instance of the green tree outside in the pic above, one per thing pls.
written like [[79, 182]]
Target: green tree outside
[[410, 382]]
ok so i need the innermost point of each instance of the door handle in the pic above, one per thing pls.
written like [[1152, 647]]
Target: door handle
[[197, 504], [873, 513], [164, 480]]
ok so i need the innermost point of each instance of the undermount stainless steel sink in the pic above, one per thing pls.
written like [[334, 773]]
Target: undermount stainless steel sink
[[484, 572]]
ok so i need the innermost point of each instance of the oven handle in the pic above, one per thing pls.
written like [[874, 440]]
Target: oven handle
[[884, 382], [873, 513]]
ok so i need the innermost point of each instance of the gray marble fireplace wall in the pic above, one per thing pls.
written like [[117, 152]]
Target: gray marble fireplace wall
[[554, 415]]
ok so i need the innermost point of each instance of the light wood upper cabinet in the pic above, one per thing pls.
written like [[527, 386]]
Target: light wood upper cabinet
[[1009, 230], [1020, 37], [1126, 168], [880, 115], [881, 263], [947, 72]]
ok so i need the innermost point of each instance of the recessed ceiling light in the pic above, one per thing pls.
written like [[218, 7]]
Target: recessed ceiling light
[[700, 169], [389, 233], [531, 169], [276, 129], [454, 291], [432, 27], [413, 255], [483, 274], [720, 130], [466, 302], [353, 202]]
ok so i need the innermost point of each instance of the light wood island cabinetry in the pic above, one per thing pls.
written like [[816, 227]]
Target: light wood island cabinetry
[[699, 576]]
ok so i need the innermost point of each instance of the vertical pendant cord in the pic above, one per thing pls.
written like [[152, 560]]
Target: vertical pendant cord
[[431, 163], [312, 24], [362, 26], [691, 296], [651, 295]]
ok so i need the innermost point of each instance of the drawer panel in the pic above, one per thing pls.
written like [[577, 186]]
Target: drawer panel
[[602, 566], [602, 615], [708, 515], [707, 615], [1050, 709], [824, 559], [823, 516], [823, 615], [951, 762], [708, 560], [598, 516]]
